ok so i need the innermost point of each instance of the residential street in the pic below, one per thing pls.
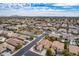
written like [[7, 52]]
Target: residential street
[[30, 53], [26, 48]]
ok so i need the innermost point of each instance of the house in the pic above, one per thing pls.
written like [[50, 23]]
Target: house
[[55, 34], [65, 35], [43, 44], [10, 34], [2, 47], [1, 31], [47, 43], [39, 47], [64, 25], [14, 41], [12, 27], [62, 30], [2, 39], [54, 29], [14, 35], [10, 47], [73, 31], [58, 45], [23, 37], [74, 49]]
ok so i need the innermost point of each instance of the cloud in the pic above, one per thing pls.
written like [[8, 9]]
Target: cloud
[[39, 6], [39, 9], [41, 1], [66, 4]]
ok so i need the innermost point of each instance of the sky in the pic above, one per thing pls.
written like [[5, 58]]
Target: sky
[[39, 9]]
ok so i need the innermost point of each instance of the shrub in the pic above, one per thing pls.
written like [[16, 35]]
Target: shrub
[[31, 37], [66, 52], [18, 46], [49, 52]]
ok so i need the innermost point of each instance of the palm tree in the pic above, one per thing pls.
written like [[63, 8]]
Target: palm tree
[[66, 44], [66, 47]]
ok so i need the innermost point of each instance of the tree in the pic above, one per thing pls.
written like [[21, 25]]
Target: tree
[[78, 54], [47, 37], [1, 22], [18, 46], [66, 44], [49, 52], [1, 42], [66, 47], [52, 38], [31, 37], [77, 41]]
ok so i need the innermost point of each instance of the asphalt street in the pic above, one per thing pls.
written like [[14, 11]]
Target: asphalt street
[[26, 48], [30, 53]]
